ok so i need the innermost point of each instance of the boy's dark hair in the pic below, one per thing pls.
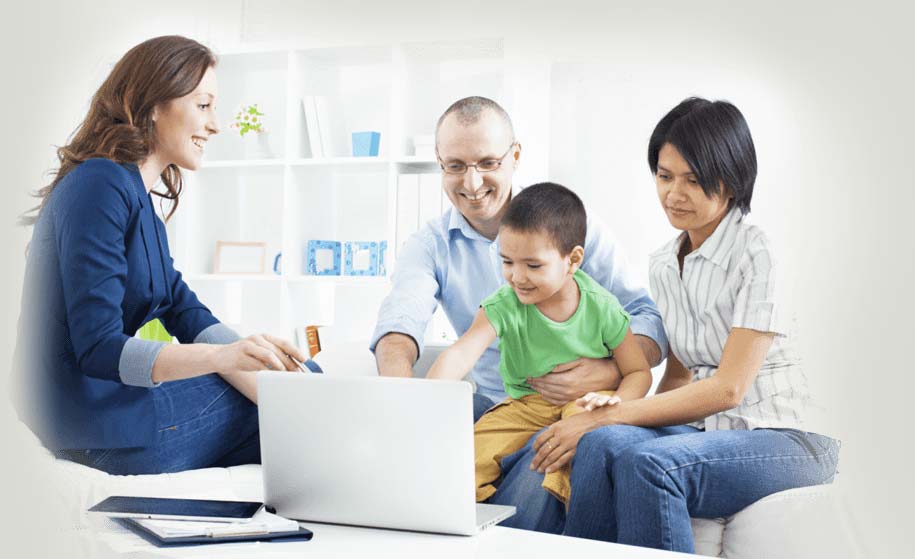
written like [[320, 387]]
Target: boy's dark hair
[[552, 209], [714, 139]]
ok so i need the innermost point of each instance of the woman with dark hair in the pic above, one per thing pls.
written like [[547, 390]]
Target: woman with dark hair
[[99, 268], [725, 427]]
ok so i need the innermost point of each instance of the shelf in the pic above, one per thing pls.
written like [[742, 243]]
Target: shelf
[[418, 159], [284, 198], [291, 279], [341, 280], [328, 161], [233, 277], [242, 163]]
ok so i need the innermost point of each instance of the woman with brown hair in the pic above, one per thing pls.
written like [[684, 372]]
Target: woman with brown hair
[[99, 268]]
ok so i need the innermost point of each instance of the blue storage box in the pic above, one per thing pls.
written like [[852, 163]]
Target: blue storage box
[[365, 144]]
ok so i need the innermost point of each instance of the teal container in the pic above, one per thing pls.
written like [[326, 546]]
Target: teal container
[[365, 144]]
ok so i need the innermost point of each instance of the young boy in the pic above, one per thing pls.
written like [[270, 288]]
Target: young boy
[[549, 312]]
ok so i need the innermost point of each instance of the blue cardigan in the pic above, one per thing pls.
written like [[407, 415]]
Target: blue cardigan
[[98, 268]]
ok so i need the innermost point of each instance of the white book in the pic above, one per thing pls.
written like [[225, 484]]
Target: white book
[[407, 209], [311, 125], [325, 125], [430, 197]]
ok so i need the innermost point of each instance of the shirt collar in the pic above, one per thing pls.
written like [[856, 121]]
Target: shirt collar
[[721, 238], [710, 250], [457, 221]]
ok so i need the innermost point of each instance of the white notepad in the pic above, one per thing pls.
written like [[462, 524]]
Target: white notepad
[[261, 523]]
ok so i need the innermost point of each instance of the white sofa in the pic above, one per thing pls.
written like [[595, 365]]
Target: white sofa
[[806, 522]]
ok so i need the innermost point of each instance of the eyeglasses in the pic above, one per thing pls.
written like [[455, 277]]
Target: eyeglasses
[[485, 166]]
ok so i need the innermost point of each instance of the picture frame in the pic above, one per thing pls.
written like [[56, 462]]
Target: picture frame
[[323, 258], [361, 258], [240, 257]]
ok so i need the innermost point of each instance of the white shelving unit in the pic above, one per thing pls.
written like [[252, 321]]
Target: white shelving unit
[[287, 197]]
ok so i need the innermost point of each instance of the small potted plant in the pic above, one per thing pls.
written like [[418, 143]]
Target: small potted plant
[[249, 122]]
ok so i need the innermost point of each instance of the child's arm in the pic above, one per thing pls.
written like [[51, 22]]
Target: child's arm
[[635, 372], [455, 362]]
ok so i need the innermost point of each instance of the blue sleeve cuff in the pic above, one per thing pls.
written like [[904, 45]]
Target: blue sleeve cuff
[[136, 362], [217, 333], [651, 327]]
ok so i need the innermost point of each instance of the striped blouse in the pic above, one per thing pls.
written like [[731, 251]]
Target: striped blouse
[[728, 282]]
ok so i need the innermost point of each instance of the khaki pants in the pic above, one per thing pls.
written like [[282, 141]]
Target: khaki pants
[[505, 429]]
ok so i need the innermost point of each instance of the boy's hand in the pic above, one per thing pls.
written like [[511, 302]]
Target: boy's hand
[[569, 381], [593, 400]]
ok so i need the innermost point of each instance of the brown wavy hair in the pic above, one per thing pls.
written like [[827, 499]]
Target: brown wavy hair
[[119, 124]]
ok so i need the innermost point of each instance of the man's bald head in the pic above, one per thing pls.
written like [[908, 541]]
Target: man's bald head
[[470, 110]]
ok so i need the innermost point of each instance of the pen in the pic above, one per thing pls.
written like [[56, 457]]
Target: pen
[[298, 363], [308, 366]]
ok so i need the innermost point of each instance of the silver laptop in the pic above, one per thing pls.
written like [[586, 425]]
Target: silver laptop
[[371, 451]]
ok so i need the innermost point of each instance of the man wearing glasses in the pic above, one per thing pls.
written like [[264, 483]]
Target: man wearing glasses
[[454, 261]]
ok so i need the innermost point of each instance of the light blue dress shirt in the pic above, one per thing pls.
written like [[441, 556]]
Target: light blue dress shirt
[[449, 263]]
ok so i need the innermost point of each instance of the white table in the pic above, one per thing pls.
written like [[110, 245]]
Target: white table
[[332, 541]]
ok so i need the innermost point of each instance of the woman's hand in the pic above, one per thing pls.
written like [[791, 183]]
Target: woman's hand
[[256, 353], [556, 446]]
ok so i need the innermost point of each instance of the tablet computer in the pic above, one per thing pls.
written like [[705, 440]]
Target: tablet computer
[[120, 506]]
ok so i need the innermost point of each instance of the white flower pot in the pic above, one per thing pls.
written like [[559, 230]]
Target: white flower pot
[[257, 145]]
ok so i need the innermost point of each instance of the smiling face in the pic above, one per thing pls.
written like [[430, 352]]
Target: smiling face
[[183, 125], [534, 267], [684, 202], [480, 197]]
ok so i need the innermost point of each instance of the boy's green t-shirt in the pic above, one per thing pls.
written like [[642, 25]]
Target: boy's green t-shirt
[[531, 344]]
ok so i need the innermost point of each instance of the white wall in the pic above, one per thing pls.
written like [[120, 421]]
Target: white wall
[[826, 89]]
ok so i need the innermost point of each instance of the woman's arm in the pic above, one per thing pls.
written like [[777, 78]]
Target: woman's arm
[[675, 375], [744, 353], [455, 362], [234, 362]]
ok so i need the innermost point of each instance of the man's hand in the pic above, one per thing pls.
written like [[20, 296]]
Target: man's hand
[[570, 381]]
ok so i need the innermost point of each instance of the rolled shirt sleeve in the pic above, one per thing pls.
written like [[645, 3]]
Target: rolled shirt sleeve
[[754, 304], [218, 333], [136, 362], [409, 306]]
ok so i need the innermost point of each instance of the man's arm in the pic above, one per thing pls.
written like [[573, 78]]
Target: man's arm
[[570, 381], [675, 375], [650, 349], [395, 354], [405, 312], [606, 263]]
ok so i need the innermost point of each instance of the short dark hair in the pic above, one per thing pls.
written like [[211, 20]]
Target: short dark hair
[[469, 110], [552, 209], [714, 139]]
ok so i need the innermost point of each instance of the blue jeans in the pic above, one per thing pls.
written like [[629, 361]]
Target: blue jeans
[[201, 422], [521, 487], [640, 486]]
